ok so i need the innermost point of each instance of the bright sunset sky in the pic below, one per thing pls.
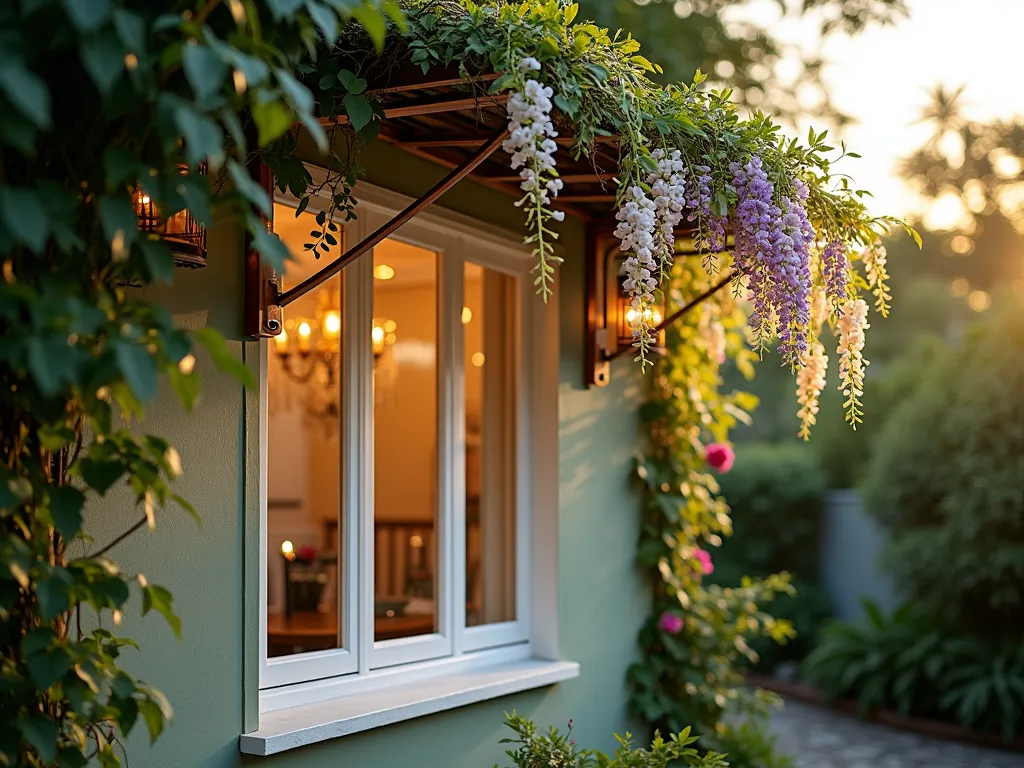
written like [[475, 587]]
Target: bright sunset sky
[[882, 77]]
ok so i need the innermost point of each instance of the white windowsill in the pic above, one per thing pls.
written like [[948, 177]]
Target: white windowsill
[[294, 727]]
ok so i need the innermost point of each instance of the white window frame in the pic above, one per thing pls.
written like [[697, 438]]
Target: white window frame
[[363, 665]]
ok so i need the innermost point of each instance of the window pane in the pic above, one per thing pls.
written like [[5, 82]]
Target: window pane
[[304, 458], [490, 350], [404, 338]]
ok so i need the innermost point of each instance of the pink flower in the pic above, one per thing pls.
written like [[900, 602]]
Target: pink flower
[[306, 553], [705, 561], [720, 456], [671, 623]]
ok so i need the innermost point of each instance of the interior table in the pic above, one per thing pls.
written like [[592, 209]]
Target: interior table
[[315, 631]]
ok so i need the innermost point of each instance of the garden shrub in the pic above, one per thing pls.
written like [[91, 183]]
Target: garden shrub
[[904, 662], [553, 748], [777, 495], [945, 481]]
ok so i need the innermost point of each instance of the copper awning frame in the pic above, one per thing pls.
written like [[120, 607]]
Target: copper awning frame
[[453, 122]]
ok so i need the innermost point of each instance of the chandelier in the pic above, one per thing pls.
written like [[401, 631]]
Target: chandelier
[[309, 352]]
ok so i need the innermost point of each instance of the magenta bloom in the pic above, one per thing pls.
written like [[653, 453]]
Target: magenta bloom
[[705, 561], [720, 456], [670, 623]]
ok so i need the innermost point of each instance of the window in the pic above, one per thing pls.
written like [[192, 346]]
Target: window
[[400, 521]]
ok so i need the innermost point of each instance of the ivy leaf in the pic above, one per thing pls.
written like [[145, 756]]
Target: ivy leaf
[[138, 367], [186, 387], [103, 59], [250, 189], [283, 8], [25, 216], [66, 509], [26, 91], [153, 717], [352, 83], [301, 100], [45, 664], [117, 215], [204, 69], [325, 19], [51, 363], [120, 165], [272, 120], [269, 245], [225, 360], [87, 16], [100, 475], [41, 732], [159, 599], [203, 139], [159, 260], [359, 110], [52, 594], [373, 22]]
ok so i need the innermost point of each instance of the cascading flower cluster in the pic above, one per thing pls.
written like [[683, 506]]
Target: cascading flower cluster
[[637, 219], [874, 258], [852, 324], [668, 188], [773, 251], [710, 236], [531, 143], [810, 381], [835, 267]]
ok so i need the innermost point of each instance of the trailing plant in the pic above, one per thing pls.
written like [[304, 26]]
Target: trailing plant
[[952, 503], [553, 748], [905, 662], [104, 102], [696, 643], [682, 151]]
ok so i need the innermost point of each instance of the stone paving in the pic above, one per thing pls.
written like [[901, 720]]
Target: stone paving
[[823, 738]]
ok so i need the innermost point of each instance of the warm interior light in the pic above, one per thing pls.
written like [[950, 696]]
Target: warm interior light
[[467, 315], [282, 341], [378, 334], [390, 326], [145, 200], [383, 272], [332, 325], [288, 549], [304, 332], [478, 359], [416, 541]]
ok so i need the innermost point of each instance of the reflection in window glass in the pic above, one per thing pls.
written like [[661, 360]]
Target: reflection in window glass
[[304, 459], [404, 338], [488, 321]]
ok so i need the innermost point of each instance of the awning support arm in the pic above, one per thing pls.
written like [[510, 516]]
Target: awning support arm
[[353, 253]]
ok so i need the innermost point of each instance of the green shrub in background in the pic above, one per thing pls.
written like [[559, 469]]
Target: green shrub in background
[[947, 481], [557, 750], [777, 495], [904, 662]]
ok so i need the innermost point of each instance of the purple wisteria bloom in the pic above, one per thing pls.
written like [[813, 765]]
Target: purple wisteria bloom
[[773, 250], [711, 228]]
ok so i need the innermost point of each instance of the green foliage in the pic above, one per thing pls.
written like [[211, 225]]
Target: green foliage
[[944, 481], [99, 99], [904, 662], [694, 676], [777, 495], [534, 750], [751, 744]]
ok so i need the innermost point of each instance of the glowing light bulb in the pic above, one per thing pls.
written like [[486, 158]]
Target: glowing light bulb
[[478, 359], [390, 326], [332, 325], [288, 549], [383, 272], [304, 333], [282, 341], [467, 315], [145, 200], [377, 334]]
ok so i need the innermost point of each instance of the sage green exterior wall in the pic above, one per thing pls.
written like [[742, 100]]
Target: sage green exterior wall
[[209, 676]]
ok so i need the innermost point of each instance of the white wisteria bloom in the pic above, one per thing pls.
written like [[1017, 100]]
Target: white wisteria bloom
[[810, 381], [668, 189], [531, 145], [853, 321]]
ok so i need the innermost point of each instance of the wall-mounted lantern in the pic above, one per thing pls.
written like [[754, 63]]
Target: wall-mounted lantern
[[611, 319], [185, 236]]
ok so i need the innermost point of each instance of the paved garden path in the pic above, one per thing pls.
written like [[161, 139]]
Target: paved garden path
[[822, 738]]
